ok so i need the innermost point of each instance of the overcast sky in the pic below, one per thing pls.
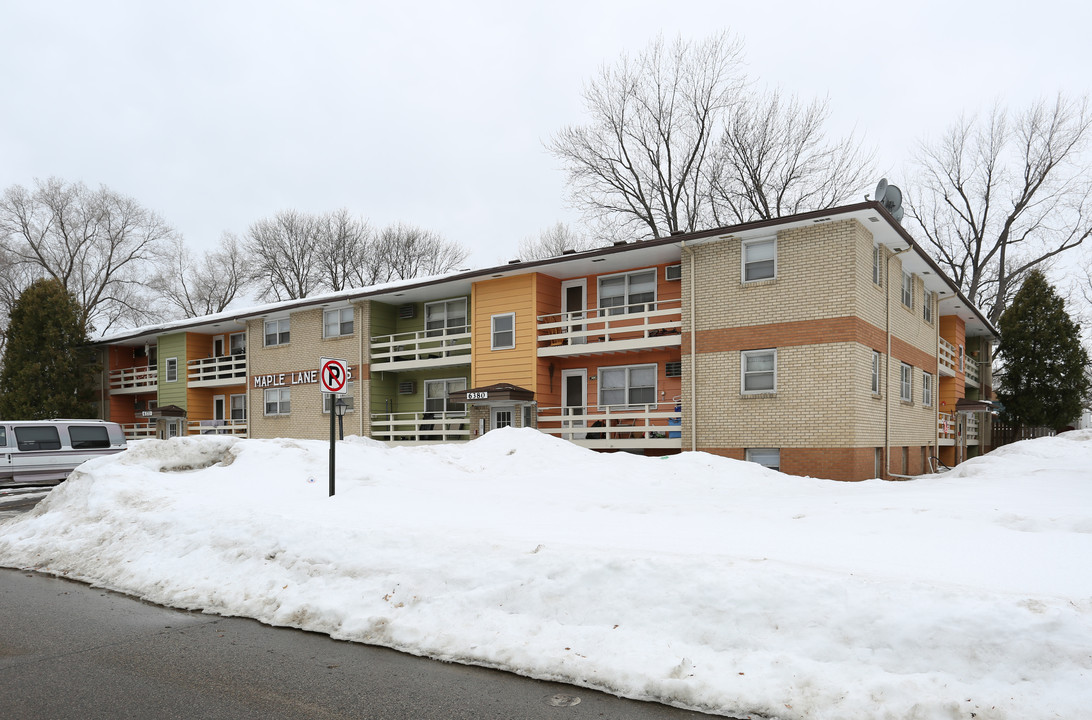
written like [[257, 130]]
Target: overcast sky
[[217, 114]]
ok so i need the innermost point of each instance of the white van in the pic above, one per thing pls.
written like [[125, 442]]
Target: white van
[[35, 452]]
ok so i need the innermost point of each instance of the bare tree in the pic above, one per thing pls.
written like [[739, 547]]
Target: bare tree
[[284, 253], [346, 250], [639, 167], [554, 241], [773, 160], [205, 285], [100, 244], [407, 251], [1000, 196]]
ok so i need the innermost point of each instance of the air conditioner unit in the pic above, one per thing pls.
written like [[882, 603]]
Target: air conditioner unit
[[407, 311], [409, 387], [673, 272], [673, 369]]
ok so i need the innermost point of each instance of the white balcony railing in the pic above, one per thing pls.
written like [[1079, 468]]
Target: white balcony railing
[[138, 431], [134, 380], [633, 327], [971, 426], [972, 371], [946, 427], [218, 427], [948, 358], [642, 426], [421, 349], [420, 427], [216, 371]]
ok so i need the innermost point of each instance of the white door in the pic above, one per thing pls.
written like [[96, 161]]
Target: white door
[[574, 300], [574, 393], [219, 408], [504, 417]]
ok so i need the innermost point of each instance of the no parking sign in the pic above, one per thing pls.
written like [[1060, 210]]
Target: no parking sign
[[333, 376]]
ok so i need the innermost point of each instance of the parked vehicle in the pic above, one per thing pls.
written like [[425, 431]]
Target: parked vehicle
[[35, 452]]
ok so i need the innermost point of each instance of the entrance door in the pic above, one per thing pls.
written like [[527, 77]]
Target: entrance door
[[503, 417], [219, 410], [574, 393], [574, 300], [218, 346]]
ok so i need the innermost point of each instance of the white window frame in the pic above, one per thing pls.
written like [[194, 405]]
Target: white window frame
[[283, 401], [445, 317], [231, 406], [628, 387], [170, 369], [743, 356], [877, 265], [340, 323], [875, 373], [493, 332], [745, 247], [762, 456], [927, 306], [906, 382], [455, 384], [278, 333], [628, 305], [326, 399], [927, 389], [908, 290]]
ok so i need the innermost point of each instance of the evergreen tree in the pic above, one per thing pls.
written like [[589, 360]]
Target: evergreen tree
[[48, 368], [1044, 381]]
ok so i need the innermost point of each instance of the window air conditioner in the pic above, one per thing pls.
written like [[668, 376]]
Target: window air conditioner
[[673, 272], [407, 311], [409, 387], [673, 369]]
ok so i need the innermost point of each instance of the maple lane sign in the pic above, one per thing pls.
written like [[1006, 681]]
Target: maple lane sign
[[288, 379]]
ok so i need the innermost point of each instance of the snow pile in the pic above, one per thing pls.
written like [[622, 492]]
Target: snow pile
[[693, 580]]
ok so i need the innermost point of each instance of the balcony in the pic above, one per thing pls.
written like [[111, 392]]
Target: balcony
[[972, 377], [133, 381], [420, 427], [217, 371], [654, 426], [138, 431], [603, 330], [949, 361], [421, 350], [946, 428], [238, 428]]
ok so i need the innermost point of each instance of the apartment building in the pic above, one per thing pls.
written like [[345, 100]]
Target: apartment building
[[824, 344]]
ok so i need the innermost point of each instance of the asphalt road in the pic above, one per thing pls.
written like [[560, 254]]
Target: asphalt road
[[71, 651]]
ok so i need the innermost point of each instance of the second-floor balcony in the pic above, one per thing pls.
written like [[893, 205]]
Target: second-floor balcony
[[217, 371], [133, 381], [642, 326], [952, 362], [422, 349]]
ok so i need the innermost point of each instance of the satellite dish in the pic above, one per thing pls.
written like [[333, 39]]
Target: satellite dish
[[891, 198]]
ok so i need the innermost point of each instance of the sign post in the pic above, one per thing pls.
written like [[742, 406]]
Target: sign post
[[333, 376]]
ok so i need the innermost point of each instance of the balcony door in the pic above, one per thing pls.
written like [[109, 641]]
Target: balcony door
[[574, 302], [574, 393]]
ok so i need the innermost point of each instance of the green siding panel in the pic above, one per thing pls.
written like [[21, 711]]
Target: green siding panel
[[172, 346]]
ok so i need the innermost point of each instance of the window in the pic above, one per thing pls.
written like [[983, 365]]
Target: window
[[88, 436], [237, 343], [528, 416], [962, 360], [879, 462], [620, 294], [445, 317], [436, 392], [42, 437], [759, 371], [170, 369], [906, 383], [627, 385], [767, 457], [238, 407], [926, 389], [759, 260], [504, 332], [153, 355], [3, 437], [927, 306], [276, 332], [908, 290], [875, 373], [278, 401], [877, 264], [337, 323], [348, 397]]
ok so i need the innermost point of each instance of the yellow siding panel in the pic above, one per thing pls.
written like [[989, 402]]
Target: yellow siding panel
[[494, 297]]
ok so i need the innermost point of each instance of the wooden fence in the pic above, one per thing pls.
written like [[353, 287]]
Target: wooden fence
[[1005, 434]]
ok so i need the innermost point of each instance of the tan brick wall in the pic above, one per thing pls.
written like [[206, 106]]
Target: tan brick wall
[[825, 316], [301, 353]]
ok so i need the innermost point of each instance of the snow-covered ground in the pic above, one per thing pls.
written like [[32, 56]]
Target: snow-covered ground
[[692, 580]]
